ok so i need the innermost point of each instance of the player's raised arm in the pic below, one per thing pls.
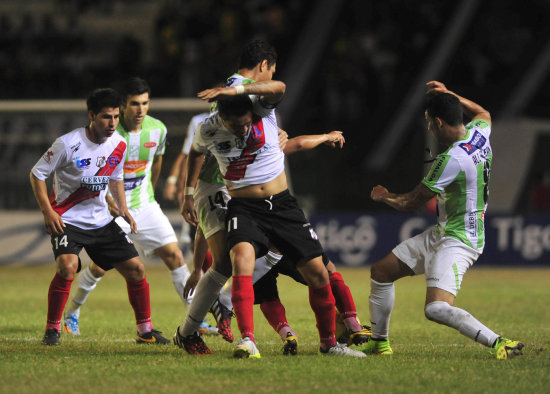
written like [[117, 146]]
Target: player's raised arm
[[271, 91], [470, 108], [405, 202]]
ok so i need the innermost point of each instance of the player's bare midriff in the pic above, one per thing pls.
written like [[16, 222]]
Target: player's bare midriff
[[262, 190]]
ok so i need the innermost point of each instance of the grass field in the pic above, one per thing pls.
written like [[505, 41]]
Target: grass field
[[427, 357]]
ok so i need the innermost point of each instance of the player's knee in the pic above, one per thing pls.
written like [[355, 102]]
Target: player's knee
[[67, 266], [437, 311], [173, 259], [379, 273], [96, 271]]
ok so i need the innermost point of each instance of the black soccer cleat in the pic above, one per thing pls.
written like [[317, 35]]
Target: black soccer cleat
[[152, 337], [51, 337]]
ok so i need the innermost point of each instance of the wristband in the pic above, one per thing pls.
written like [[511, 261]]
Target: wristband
[[172, 180], [239, 89], [188, 191]]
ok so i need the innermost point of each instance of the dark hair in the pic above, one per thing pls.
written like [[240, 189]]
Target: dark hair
[[255, 52], [103, 98], [134, 86], [445, 106], [238, 105]]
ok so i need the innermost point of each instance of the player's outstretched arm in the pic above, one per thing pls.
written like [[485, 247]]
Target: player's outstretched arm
[[471, 109], [117, 192], [306, 142], [53, 223], [271, 91], [405, 202]]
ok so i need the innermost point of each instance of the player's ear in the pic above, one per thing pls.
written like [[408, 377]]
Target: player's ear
[[439, 122], [91, 115], [264, 65]]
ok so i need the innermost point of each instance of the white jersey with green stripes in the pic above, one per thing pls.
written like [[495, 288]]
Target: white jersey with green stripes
[[460, 177], [143, 147]]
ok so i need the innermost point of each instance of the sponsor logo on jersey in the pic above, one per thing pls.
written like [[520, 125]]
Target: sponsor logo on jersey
[[48, 156], [222, 147], [134, 150], [135, 166], [132, 183], [83, 163], [476, 142], [94, 183], [435, 169], [150, 144], [113, 161], [75, 147], [101, 161]]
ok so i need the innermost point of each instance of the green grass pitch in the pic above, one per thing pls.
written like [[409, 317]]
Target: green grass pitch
[[427, 357]]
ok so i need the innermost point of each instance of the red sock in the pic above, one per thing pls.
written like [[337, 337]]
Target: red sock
[[242, 296], [275, 314], [207, 261], [138, 293], [58, 294], [344, 300], [322, 302]]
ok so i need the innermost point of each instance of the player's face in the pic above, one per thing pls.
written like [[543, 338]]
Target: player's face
[[239, 125], [103, 124], [135, 108]]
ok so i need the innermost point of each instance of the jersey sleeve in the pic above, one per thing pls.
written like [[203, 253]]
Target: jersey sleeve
[[443, 172], [482, 125], [199, 143], [189, 137], [52, 159]]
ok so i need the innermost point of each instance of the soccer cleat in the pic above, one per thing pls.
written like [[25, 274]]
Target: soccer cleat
[[70, 325], [290, 345], [505, 348], [192, 344], [342, 350], [152, 336], [245, 348], [207, 329], [359, 337], [223, 319], [380, 347], [51, 337]]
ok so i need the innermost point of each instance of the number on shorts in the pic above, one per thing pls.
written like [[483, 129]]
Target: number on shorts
[[63, 241], [218, 199], [234, 221]]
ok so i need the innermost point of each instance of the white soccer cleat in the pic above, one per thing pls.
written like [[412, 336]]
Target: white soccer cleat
[[342, 350], [245, 348]]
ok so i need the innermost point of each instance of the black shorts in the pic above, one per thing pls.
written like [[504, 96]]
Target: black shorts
[[106, 245], [265, 289], [277, 220]]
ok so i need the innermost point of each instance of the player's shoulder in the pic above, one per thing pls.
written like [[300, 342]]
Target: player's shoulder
[[151, 123], [238, 79], [210, 125], [73, 139]]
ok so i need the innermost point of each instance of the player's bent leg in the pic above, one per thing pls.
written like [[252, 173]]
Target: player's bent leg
[[172, 256]]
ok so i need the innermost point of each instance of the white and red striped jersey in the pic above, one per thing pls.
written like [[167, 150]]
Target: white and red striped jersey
[[82, 170]]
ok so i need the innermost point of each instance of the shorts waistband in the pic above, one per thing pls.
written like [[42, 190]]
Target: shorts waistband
[[274, 197]]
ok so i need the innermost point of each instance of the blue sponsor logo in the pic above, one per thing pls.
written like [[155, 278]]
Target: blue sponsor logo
[[130, 184], [83, 163], [113, 161], [476, 142]]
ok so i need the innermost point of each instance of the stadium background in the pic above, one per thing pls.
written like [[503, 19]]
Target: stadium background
[[357, 66]]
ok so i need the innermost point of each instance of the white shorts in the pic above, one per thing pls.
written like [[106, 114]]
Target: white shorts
[[154, 228], [444, 260], [211, 207]]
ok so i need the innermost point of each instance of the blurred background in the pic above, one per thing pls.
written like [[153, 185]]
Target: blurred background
[[359, 66]]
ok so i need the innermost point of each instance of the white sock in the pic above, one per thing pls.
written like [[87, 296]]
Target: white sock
[[179, 278], [225, 296], [206, 293], [381, 300], [443, 313], [86, 283], [264, 264]]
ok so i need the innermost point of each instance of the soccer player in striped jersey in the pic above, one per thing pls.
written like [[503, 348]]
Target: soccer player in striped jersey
[[145, 137], [459, 178]]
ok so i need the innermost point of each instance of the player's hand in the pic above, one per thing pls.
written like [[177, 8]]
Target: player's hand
[[335, 138], [378, 193], [169, 192], [130, 220], [436, 87], [53, 224], [188, 210], [213, 94], [191, 283], [283, 139]]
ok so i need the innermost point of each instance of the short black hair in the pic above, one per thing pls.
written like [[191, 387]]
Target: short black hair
[[238, 105], [134, 86], [103, 98], [255, 52], [445, 106]]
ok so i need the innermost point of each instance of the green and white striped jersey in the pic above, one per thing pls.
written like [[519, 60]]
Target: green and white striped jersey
[[460, 177], [140, 153]]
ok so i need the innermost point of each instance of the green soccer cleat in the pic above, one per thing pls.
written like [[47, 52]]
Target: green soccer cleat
[[378, 346], [505, 348]]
